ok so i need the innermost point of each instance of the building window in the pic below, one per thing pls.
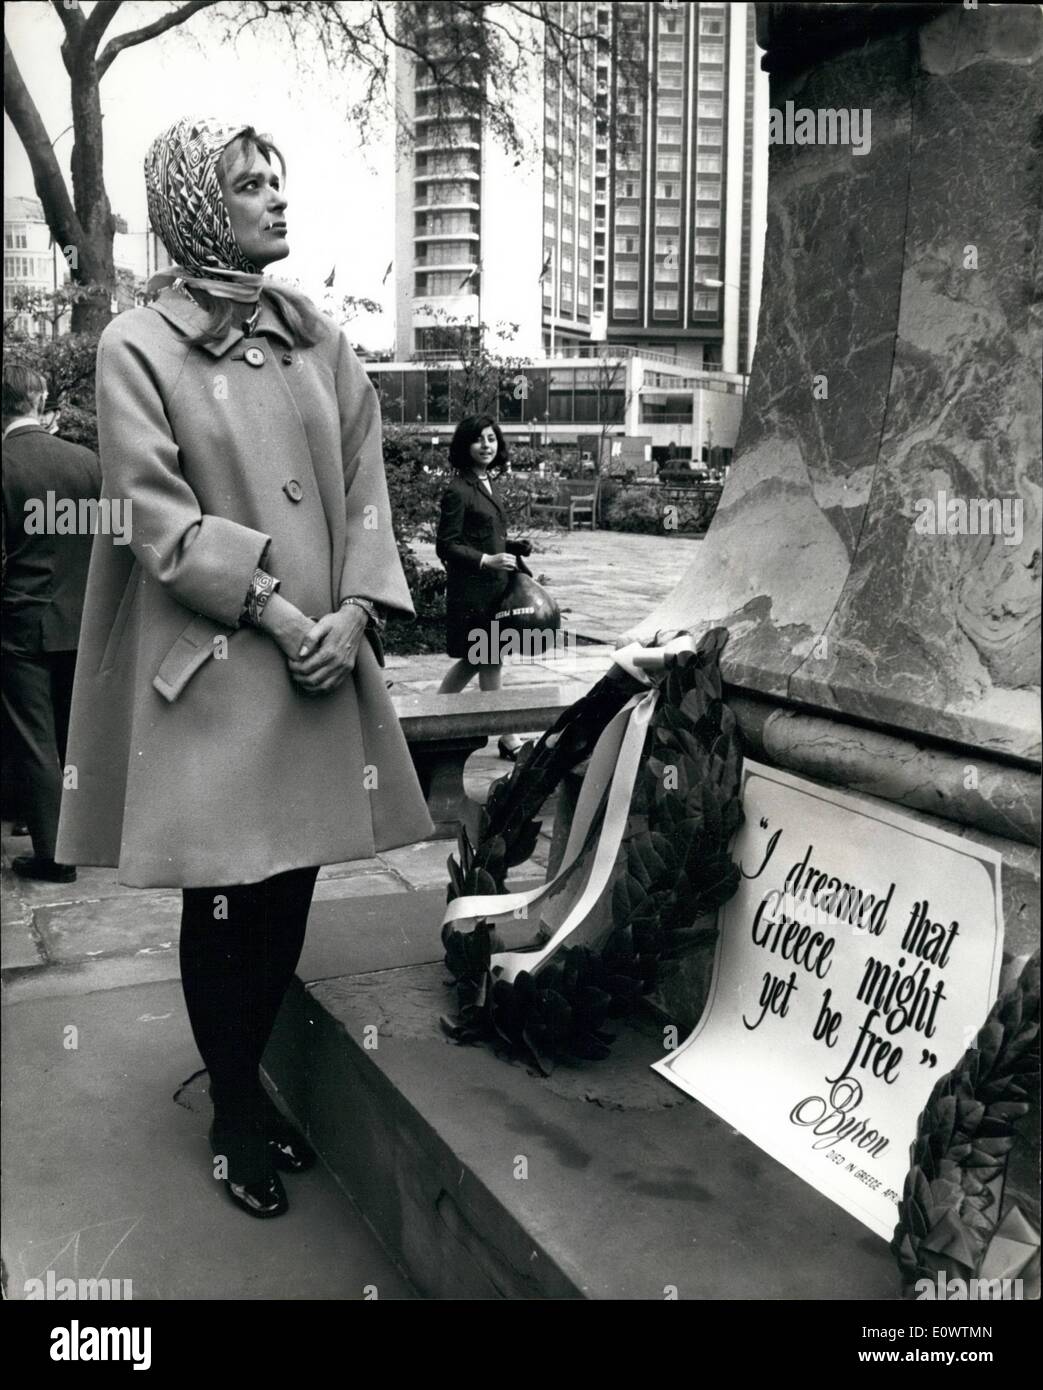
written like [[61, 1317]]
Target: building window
[[704, 303], [667, 189], [669, 106], [708, 217], [22, 268], [625, 299], [709, 134], [628, 217], [16, 238], [706, 246], [450, 193], [444, 283], [665, 299], [666, 246], [667, 269], [711, 26], [626, 245], [668, 134], [447, 253], [711, 81], [445, 224], [668, 163], [711, 107], [708, 163], [668, 217], [550, 227], [671, 78]]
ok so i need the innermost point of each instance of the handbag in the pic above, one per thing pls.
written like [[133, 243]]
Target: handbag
[[527, 609]]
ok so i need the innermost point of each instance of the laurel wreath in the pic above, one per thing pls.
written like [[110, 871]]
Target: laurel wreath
[[950, 1207], [673, 868]]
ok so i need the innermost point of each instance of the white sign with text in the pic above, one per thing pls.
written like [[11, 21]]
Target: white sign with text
[[855, 965]]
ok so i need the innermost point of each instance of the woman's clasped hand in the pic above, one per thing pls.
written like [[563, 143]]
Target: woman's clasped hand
[[320, 655], [328, 653]]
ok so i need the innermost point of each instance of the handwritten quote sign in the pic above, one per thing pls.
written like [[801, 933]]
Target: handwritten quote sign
[[854, 967]]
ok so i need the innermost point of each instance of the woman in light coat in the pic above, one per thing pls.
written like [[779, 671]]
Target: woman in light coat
[[231, 729]]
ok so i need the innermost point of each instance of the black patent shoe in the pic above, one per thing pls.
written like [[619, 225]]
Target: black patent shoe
[[289, 1151], [251, 1180], [261, 1199]]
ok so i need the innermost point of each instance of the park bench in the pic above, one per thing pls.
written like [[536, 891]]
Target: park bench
[[444, 730], [572, 509]]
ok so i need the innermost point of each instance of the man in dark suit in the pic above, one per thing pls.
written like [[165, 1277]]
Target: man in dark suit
[[44, 579]]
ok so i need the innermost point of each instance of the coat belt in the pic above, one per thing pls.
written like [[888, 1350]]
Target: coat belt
[[193, 648]]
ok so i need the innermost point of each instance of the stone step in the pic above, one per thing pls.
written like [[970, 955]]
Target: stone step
[[486, 1181]]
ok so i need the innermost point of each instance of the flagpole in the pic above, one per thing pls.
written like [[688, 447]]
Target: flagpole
[[553, 296]]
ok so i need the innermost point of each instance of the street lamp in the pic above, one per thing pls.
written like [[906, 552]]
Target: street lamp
[[712, 283]]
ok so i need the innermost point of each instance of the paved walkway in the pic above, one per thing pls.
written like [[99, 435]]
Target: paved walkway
[[104, 1127], [604, 581]]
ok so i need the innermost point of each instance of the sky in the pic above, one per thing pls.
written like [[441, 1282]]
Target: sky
[[340, 188]]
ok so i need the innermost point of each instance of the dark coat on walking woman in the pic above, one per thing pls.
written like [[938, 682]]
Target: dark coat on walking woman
[[472, 524]]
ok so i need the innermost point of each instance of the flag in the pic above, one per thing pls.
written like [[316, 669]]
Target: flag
[[328, 282], [387, 272], [545, 272], [469, 276]]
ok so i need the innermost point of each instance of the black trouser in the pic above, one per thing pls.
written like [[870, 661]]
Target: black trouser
[[239, 948], [37, 693]]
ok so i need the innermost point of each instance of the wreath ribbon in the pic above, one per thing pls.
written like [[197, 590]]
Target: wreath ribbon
[[614, 764]]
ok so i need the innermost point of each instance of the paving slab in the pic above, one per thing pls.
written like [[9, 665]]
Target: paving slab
[[356, 886], [108, 926], [109, 1176]]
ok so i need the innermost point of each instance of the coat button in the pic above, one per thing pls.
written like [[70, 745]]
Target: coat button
[[254, 356], [293, 490], [287, 359]]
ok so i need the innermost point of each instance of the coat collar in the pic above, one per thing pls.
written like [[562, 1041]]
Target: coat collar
[[470, 477], [18, 428], [190, 317]]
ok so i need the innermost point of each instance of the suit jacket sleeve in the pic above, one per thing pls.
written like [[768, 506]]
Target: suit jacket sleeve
[[206, 562], [372, 568], [449, 543]]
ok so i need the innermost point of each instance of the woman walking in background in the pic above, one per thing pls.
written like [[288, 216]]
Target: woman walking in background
[[228, 714], [479, 559]]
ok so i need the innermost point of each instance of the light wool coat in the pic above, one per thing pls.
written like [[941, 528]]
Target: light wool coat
[[196, 760]]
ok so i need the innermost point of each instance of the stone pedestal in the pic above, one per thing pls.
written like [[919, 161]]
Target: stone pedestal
[[897, 370]]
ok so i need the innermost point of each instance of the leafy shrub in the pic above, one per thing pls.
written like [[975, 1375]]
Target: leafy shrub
[[67, 364], [633, 510]]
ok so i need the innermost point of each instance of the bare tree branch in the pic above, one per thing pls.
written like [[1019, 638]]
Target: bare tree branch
[[115, 46], [71, 17], [101, 17], [47, 176]]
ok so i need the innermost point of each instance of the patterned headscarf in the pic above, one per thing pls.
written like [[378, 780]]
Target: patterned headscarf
[[187, 210]]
